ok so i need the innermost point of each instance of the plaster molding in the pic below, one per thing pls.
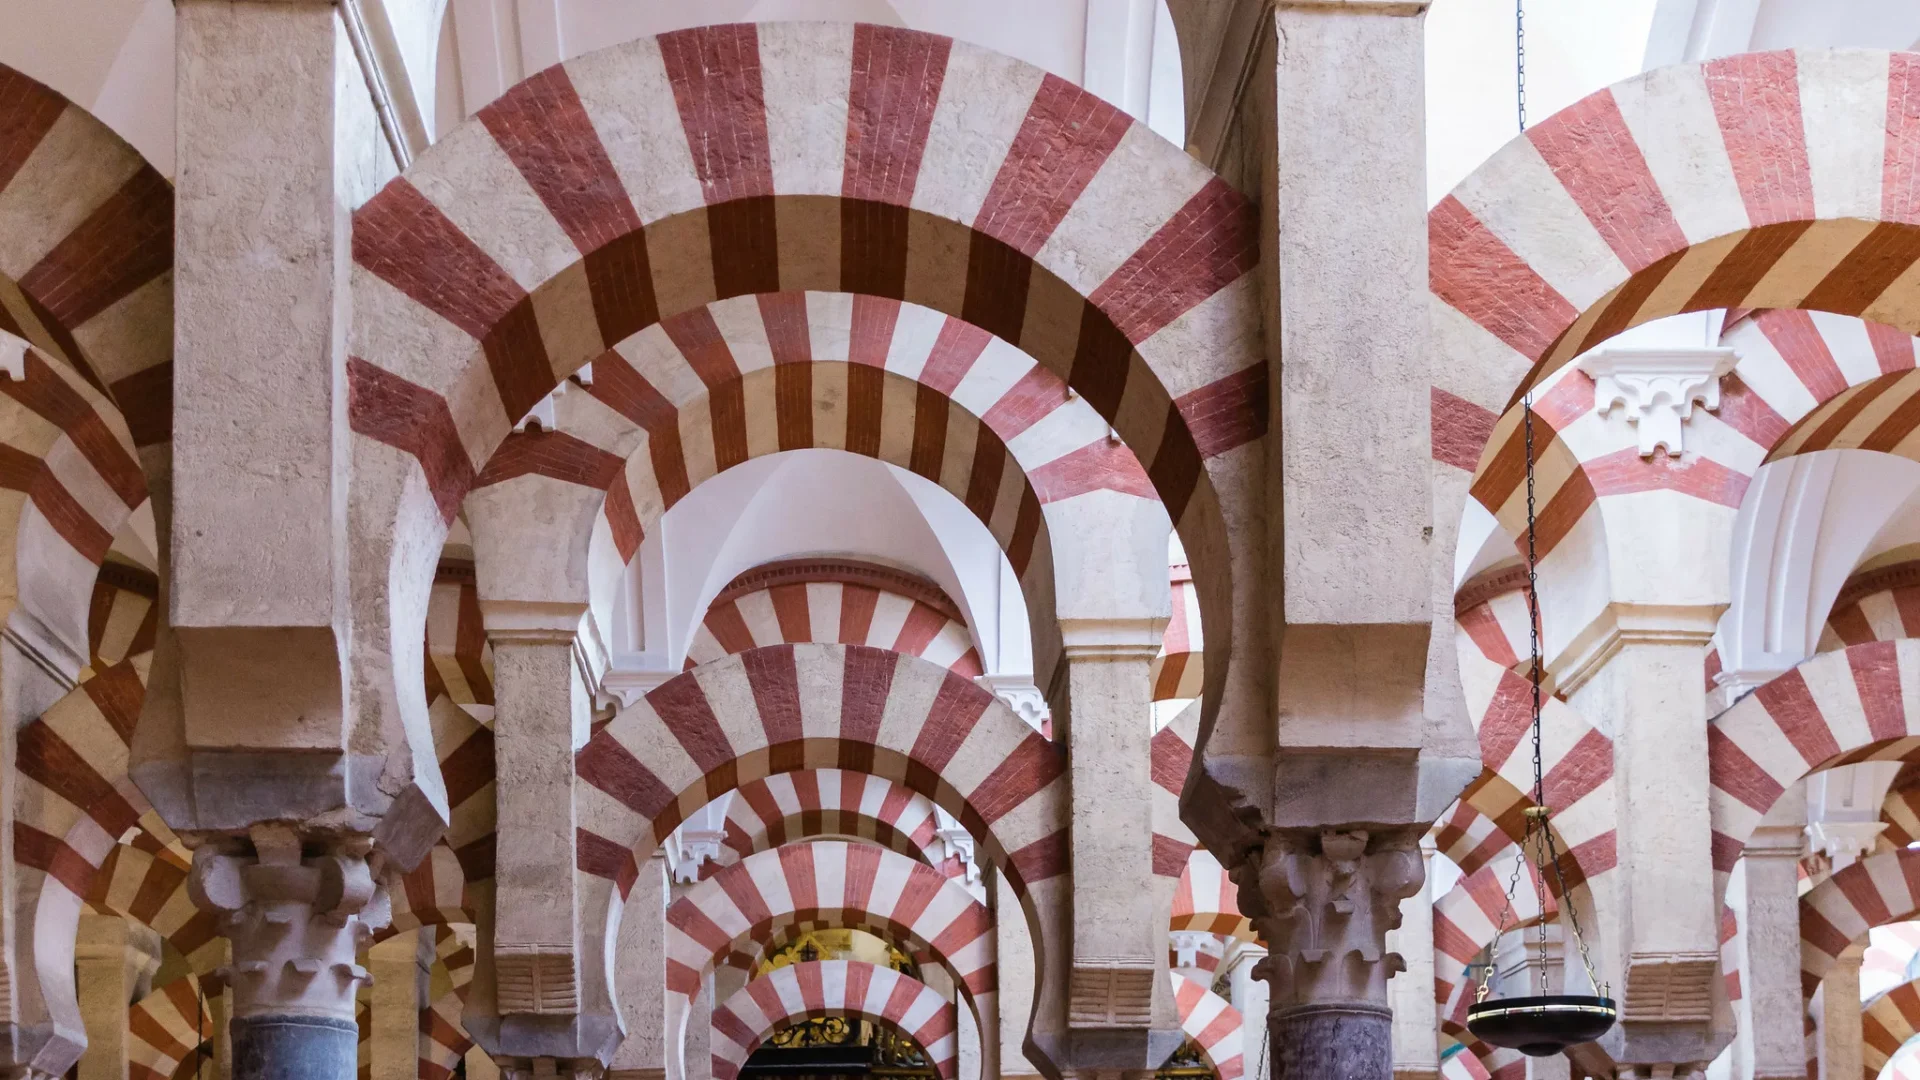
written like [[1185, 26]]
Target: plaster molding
[[1844, 842], [1900, 575], [43, 648], [1188, 945], [1018, 692], [1488, 586], [1658, 389], [1624, 623], [690, 850], [628, 678], [956, 843]]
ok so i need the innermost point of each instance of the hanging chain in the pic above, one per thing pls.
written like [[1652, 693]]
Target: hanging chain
[[1537, 839]]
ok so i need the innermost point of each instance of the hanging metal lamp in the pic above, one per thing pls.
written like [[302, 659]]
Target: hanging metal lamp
[[1541, 1024]]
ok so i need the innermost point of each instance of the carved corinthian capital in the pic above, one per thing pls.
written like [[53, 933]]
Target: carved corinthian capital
[[1324, 901], [297, 911]]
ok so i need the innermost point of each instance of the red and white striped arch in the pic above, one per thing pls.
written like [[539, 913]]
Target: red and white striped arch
[[790, 707], [1881, 604], [1837, 708], [145, 880], [834, 802], [1179, 671], [1171, 749], [1577, 758], [1463, 1065], [582, 207], [123, 616], [444, 1042], [166, 1027], [821, 988], [1774, 180], [1877, 890], [1213, 1024], [1901, 812], [1478, 1059], [1469, 917], [1886, 1023], [1207, 900], [459, 660], [826, 884], [836, 600]]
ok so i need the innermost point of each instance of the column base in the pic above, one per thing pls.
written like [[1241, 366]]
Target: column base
[[295, 1048], [1331, 1042]]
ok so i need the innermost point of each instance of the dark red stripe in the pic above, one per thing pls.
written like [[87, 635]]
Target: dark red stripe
[[1065, 138], [124, 243], [416, 421], [1208, 244], [1477, 274], [1756, 98], [553, 454], [715, 75], [1595, 157], [27, 112], [544, 130], [897, 75], [406, 241]]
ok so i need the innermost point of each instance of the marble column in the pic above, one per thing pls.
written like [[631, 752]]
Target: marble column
[[114, 963], [296, 909], [400, 967], [641, 971], [1771, 927], [1013, 947], [1842, 1042]]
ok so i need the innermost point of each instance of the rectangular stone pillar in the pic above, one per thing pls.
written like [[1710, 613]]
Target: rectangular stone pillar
[[1639, 675], [401, 966], [1842, 1041], [542, 708], [1771, 928], [641, 970], [278, 141], [114, 961]]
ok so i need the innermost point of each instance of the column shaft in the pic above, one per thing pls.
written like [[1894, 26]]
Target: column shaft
[[1771, 928], [1416, 1045], [114, 960], [642, 973], [1842, 1040], [400, 967]]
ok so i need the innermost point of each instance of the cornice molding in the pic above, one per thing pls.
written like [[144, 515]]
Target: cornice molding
[[1487, 586], [1621, 624], [1900, 575]]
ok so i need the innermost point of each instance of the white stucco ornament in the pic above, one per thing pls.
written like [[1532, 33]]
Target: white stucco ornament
[[1658, 388]]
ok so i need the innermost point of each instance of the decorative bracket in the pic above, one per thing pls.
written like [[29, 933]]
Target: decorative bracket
[[1658, 388]]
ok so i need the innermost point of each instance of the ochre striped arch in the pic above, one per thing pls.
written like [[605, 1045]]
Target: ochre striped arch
[[1837, 708], [1206, 900], [822, 988], [123, 616], [791, 707], [582, 207], [443, 1041], [1877, 890], [826, 884], [1172, 756], [1886, 1023], [1881, 604], [1213, 1024], [1684, 189], [167, 1026], [836, 600], [1468, 918]]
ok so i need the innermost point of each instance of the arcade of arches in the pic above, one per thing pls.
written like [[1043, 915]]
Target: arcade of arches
[[671, 540]]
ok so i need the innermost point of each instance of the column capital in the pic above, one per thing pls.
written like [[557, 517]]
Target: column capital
[[1320, 898], [298, 909], [1657, 389]]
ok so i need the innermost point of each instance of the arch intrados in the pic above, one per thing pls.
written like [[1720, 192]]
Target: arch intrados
[[826, 988], [1843, 909], [730, 914], [1143, 311], [787, 807]]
